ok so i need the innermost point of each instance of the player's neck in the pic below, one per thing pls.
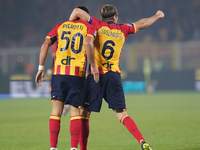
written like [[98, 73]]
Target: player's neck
[[109, 21]]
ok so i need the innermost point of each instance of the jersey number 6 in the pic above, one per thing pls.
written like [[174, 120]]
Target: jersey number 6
[[106, 46]]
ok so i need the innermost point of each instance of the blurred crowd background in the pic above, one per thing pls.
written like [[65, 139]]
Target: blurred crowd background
[[26, 23], [171, 44]]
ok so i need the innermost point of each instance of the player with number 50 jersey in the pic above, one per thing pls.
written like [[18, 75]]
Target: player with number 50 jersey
[[75, 41], [70, 56]]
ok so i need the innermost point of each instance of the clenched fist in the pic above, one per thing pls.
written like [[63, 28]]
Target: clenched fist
[[160, 14]]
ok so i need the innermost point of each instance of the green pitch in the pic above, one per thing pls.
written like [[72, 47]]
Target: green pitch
[[167, 120]]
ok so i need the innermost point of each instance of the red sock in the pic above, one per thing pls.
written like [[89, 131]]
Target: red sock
[[75, 127], [132, 127], [54, 129], [84, 133]]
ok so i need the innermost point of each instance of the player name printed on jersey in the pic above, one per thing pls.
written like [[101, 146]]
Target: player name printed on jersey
[[111, 34], [72, 26]]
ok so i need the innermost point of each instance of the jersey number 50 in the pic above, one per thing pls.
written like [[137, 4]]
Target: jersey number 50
[[73, 42]]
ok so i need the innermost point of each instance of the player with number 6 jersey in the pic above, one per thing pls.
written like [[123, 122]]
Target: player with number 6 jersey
[[109, 42], [108, 45]]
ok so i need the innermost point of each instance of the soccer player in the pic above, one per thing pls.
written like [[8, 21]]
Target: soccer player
[[108, 45], [75, 40]]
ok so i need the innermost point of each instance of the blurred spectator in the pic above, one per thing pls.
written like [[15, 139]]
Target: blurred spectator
[[163, 35], [30, 69], [25, 23], [19, 69]]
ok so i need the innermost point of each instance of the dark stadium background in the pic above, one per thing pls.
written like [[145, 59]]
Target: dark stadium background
[[171, 44]]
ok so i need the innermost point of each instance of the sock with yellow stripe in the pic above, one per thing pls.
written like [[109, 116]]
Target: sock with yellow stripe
[[84, 133], [75, 127], [132, 127], [54, 129]]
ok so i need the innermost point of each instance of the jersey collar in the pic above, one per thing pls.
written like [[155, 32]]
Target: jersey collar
[[110, 22]]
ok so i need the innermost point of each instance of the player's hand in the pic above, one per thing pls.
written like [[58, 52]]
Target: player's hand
[[95, 72], [160, 14], [39, 77]]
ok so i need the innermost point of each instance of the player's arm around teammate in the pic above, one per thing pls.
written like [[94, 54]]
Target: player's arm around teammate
[[78, 13]]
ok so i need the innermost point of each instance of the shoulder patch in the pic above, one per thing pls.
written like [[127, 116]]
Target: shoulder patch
[[95, 34], [129, 24]]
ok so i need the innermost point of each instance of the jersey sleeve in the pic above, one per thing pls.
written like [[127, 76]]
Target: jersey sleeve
[[91, 31], [95, 22], [52, 35], [128, 28], [131, 28]]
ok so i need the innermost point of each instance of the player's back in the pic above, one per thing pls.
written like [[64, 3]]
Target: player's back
[[108, 44], [70, 56]]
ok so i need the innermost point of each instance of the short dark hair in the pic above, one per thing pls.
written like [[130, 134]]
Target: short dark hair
[[108, 11], [83, 8]]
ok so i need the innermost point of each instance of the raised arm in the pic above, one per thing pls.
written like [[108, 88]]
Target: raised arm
[[89, 46], [79, 13], [43, 54], [146, 22]]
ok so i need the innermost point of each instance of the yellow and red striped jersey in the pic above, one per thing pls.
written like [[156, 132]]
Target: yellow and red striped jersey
[[70, 58], [109, 42]]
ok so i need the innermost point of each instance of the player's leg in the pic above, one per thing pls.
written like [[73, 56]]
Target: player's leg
[[130, 124], [75, 126], [75, 98], [92, 102], [116, 100], [54, 123], [84, 133], [58, 98]]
